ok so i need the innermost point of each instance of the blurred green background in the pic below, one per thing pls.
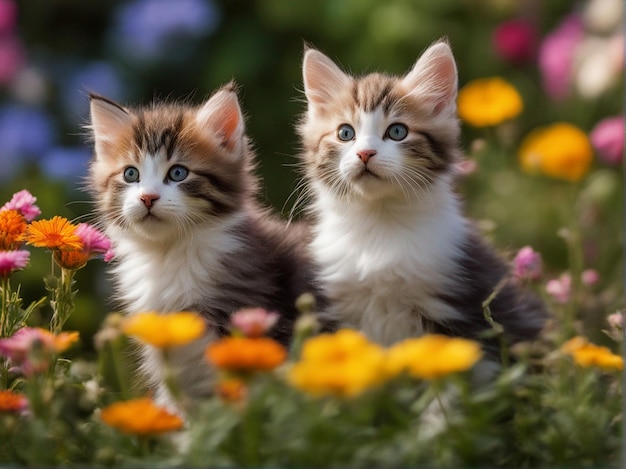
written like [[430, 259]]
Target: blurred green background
[[52, 52]]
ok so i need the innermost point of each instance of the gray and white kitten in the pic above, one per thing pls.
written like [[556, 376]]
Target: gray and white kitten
[[397, 257], [175, 191]]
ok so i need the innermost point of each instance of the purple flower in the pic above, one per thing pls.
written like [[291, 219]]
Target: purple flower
[[11, 261], [527, 264], [515, 40], [556, 56], [150, 29], [24, 202], [99, 77], [66, 162], [559, 289], [607, 137], [24, 131]]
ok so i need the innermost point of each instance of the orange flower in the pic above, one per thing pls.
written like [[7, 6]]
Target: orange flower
[[12, 227], [12, 402], [587, 354], [246, 354], [56, 233], [164, 330], [71, 260], [140, 417], [231, 390]]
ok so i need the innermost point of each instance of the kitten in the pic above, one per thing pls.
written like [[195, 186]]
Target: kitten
[[397, 257], [175, 191]]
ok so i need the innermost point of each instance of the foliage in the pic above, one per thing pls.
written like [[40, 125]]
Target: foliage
[[552, 406]]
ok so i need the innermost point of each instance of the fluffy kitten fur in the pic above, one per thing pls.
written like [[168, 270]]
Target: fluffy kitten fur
[[175, 191], [397, 257]]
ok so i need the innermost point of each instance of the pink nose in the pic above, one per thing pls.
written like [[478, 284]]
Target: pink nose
[[149, 199], [365, 155]]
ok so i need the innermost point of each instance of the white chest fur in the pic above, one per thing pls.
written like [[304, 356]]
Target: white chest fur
[[170, 275], [383, 263]]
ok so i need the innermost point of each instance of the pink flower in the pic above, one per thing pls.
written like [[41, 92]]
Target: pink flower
[[32, 349], [556, 56], [24, 202], [527, 264], [8, 16], [607, 137], [12, 58], [616, 320], [514, 41], [10, 261], [560, 289], [590, 277], [94, 241], [253, 322]]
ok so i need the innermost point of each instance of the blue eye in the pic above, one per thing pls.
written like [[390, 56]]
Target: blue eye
[[397, 132], [131, 174], [345, 132], [177, 173]]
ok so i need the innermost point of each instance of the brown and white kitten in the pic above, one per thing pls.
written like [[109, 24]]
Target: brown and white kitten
[[397, 257], [175, 192]]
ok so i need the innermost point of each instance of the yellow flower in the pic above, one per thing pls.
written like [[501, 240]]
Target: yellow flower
[[164, 330], [12, 227], [246, 354], [12, 402], [140, 417], [587, 354], [433, 356], [343, 364], [56, 233], [562, 151], [488, 101]]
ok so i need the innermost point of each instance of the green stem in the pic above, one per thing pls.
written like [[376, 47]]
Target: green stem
[[4, 319], [63, 301], [497, 328]]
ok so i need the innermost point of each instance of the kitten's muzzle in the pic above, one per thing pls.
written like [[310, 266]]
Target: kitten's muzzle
[[149, 199], [365, 155]]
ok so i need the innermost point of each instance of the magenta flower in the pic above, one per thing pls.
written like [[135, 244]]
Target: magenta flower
[[607, 137], [253, 322], [527, 264], [94, 241], [8, 16], [515, 40], [32, 349], [10, 261], [556, 56], [560, 288], [24, 202]]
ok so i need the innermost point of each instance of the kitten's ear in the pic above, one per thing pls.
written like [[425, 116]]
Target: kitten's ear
[[434, 78], [322, 78], [108, 120], [222, 117]]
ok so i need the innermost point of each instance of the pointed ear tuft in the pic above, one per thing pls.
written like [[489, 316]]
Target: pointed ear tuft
[[321, 76], [222, 117], [108, 120], [434, 78]]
